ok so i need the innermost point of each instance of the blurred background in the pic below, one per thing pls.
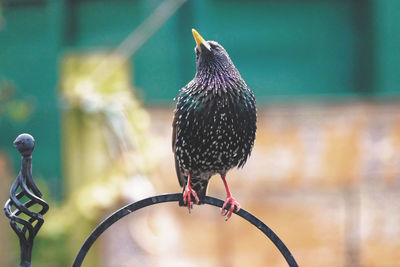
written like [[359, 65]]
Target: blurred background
[[94, 80]]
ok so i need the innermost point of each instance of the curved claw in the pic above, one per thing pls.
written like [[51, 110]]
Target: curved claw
[[187, 197], [234, 206]]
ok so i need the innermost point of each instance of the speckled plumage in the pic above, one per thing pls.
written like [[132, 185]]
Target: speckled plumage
[[214, 124]]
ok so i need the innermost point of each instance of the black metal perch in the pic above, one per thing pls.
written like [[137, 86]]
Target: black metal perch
[[24, 196], [129, 209]]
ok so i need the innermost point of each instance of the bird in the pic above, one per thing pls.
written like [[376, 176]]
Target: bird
[[214, 124]]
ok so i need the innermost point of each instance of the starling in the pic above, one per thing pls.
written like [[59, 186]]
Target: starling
[[214, 125]]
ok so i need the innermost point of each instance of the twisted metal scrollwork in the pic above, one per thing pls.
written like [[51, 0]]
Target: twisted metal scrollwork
[[25, 208]]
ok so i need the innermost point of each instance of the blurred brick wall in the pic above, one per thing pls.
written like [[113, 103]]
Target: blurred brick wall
[[324, 177]]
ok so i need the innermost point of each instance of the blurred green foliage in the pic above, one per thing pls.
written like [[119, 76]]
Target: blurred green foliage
[[11, 108], [106, 143], [52, 249]]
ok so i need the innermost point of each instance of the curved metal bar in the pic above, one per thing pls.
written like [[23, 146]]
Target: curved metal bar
[[119, 214]]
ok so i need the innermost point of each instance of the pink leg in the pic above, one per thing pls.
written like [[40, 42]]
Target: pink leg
[[229, 199], [187, 195]]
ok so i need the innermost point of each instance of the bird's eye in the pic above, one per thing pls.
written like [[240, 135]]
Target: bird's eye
[[214, 46]]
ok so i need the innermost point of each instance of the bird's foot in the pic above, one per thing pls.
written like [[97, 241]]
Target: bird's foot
[[187, 197], [234, 206]]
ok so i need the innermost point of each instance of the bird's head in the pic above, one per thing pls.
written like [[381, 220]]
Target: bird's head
[[211, 57]]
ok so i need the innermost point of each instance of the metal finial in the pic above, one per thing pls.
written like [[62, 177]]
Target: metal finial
[[23, 219], [25, 143]]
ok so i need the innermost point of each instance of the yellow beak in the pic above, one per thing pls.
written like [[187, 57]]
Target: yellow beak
[[200, 40]]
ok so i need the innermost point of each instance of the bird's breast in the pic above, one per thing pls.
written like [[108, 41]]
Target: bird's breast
[[215, 133]]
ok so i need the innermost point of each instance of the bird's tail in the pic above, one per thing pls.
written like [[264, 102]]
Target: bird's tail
[[200, 185]]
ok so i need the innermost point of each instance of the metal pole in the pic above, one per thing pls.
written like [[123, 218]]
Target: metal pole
[[23, 220]]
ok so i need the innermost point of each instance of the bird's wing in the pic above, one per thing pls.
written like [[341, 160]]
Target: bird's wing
[[179, 173]]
